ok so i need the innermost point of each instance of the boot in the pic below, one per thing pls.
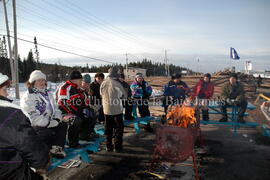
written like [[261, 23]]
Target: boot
[[240, 119], [58, 152], [205, 115], [224, 119], [148, 128]]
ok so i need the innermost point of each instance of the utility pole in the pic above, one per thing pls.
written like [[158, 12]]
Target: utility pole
[[13, 77], [198, 65], [4, 47], [16, 51]]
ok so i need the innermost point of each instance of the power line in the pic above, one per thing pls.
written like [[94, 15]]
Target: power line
[[64, 51], [113, 28], [96, 23], [100, 36]]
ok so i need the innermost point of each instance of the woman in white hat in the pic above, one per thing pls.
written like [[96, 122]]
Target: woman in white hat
[[46, 118], [20, 147]]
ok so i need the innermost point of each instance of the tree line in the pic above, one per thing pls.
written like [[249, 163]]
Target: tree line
[[57, 72]]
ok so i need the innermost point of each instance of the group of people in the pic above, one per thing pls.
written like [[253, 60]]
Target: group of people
[[233, 94], [44, 123], [38, 128]]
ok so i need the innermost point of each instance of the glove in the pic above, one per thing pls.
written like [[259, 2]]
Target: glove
[[68, 118]]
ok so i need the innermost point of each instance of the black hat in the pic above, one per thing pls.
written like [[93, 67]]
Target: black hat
[[234, 75], [207, 75], [139, 75], [176, 76], [75, 75]]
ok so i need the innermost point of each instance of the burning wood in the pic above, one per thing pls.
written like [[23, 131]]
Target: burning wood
[[181, 116]]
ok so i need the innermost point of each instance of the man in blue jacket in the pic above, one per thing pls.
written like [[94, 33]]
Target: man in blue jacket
[[174, 91]]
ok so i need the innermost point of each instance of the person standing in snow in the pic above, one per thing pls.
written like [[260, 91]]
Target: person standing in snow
[[22, 154], [45, 116], [96, 99], [113, 93], [141, 92], [127, 103]]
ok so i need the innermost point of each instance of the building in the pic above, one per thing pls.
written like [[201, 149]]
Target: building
[[130, 73], [263, 74]]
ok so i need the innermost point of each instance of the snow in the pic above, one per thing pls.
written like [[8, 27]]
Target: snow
[[22, 89]]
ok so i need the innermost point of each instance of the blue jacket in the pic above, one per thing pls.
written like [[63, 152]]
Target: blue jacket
[[171, 89]]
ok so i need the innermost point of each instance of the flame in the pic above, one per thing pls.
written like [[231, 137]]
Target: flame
[[181, 116]]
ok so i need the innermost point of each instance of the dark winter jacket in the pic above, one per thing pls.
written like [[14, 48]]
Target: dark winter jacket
[[19, 146], [127, 88], [171, 89], [72, 99], [204, 90], [94, 92]]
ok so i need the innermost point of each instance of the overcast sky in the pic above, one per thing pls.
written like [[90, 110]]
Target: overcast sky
[[107, 29]]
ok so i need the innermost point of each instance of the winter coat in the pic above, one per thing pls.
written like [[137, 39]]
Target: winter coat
[[127, 88], [41, 107], [19, 143], [236, 92], [112, 93], [141, 90], [204, 90], [94, 92], [72, 99], [171, 89]]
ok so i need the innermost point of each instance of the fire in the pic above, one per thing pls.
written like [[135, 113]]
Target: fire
[[181, 116]]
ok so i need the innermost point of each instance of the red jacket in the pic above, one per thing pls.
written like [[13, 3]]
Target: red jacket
[[72, 99], [208, 91]]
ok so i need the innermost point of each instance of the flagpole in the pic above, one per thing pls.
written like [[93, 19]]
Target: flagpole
[[230, 64]]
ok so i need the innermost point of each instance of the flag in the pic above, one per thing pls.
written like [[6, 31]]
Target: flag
[[234, 54]]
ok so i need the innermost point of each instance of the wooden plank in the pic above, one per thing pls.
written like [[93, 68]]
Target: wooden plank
[[229, 113], [230, 123]]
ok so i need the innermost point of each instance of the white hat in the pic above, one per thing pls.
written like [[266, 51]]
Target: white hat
[[3, 78], [36, 75]]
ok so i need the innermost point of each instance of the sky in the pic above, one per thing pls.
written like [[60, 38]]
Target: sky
[[187, 29]]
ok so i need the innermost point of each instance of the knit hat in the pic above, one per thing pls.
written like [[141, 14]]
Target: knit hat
[[139, 75], [75, 75], [3, 78], [36, 75], [234, 75], [176, 76], [87, 78], [207, 75], [114, 72]]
